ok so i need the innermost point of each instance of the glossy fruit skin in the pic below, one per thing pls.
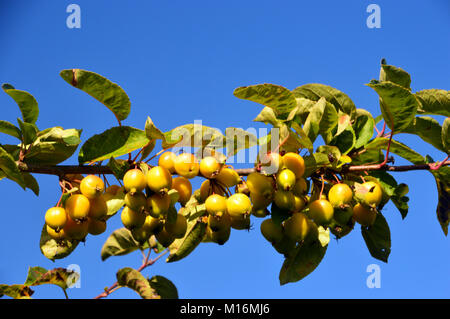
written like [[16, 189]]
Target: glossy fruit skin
[[184, 188], [259, 184], [260, 212], [217, 223], [96, 227], [132, 219], [321, 211], [164, 238], [178, 228], [300, 187], [187, 165], [216, 204], [56, 217], [209, 167], [92, 186], [134, 180], [167, 160], [238, 205], [286, 180], [60, 235], [221, 236], [271, 231], [374, 194], [136, 201], [296, 227], [206, 190], [240, 223], [152, 225], [340, 194], [364, 215], [270, 163], [77, 207], [141, 234], [294, 162], [158, 205], [284, 200], [343, 216], [75, 230], [259, 201], [98, 209], [299, 203], [159, 179], [228, 177]]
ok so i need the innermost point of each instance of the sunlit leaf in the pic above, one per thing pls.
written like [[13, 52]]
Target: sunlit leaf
[[26, 102]]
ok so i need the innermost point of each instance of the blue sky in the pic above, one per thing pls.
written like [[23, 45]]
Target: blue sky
[[180, 61]]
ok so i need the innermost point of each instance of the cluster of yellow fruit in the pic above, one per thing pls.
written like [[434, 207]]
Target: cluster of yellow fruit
[[84, 212]]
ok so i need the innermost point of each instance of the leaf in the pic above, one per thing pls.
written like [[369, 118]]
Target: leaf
[[52, 249], [274, 96], [312, 123], [329, 119], [446, 135], [315, 91], [133, 279], [193, 135], [53, 146], [181, 248], [152, 132], [268, 116], [31, 183], [442, 177], [395, 75], [28, 131], [332, 152], [10, 169], [378, 238], [363, 127], [10, 129], [428, 129], [238, 139], [115, 142], [119, 243], [61, 277], [26, 102], [302, 138], [147, 149], [163, 287], [16, 291], [397, 148], [302, 261], [278, 214], [103, 90], [114, 202], [119, 167], [345, 141], [398, 105], [434, 101]]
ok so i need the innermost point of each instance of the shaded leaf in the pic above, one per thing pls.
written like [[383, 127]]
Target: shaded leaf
[[378, 238], [163, 287], [10, 129], [31, 183], [26, 102], [103, 90], [278, 214], [133, 279], [442, 177], [10, 169], [446, 135], [61, 277], [119, 243], [181, 248], [16, 291], [119, 167]]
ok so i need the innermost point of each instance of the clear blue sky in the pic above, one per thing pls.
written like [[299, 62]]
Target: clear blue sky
[[180, 61]]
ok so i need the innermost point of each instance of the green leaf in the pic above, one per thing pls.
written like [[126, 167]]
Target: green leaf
[[119, 243], [434, 101], [10, 169], [193, 135], [301, 137], [163, 287], [16, 291], [53, 249], [133, 279], [28, 131], [31, 183], [446, 135], [147, 149], [312, 123], [10, 129], [442, 177], [329, 119], [26, 102], [103, 90], [115, 142], [274, 96], [61, 277], [345, 141], [332, 152], [119, 167], [378, 238], [268, 116], [428, 129], [302, 261], [278, 214], [395, 75], [398, 105], [53, 146], [315, 161], [315, 91], [397, 148], [301, 111], [114, 202], [363, 127], [238, 139], [181, 248], [152, 132]]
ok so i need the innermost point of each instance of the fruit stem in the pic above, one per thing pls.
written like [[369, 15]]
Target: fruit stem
[[323, 185]]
